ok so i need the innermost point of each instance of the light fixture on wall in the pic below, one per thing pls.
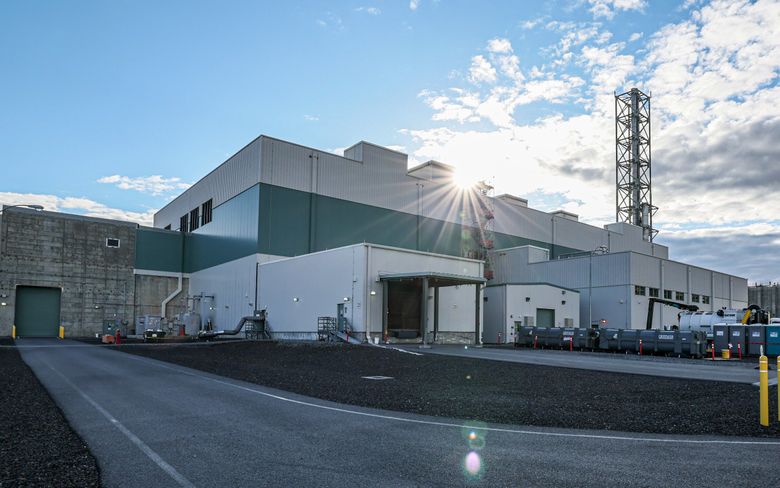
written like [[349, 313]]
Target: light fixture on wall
[[563, 302], [346, 299], [527, 299], [3, 304], [3, 295], [296, 299], [373, 293]]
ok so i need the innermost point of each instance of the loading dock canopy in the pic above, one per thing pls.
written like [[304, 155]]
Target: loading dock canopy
[[435, 279]]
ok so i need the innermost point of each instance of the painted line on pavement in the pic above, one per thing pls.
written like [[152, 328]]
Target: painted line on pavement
[[450, 424], [150, 453]]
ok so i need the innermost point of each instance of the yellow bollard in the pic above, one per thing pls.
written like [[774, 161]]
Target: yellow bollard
[[763, 379], [62, 332], [13, 332]]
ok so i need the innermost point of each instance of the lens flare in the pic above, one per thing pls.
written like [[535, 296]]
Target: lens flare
[[472, 435], [472, 464]]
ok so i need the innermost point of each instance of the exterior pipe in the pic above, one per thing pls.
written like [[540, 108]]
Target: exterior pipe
[[170, 297]]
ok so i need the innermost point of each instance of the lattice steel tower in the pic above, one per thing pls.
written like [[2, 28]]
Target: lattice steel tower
[[634, 196]]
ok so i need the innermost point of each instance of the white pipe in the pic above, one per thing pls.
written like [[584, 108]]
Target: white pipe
[[170, 297]]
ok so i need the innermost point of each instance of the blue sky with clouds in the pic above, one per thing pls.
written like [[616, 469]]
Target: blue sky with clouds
[[112, 108]]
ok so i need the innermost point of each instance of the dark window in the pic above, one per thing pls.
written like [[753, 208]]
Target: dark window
[[640, 290], [206, 212], [667, 294], [194, 218], [654, 292], [705, 299], [694, 298], [167, 227], [184, 223], [112, 242], [679, 296]]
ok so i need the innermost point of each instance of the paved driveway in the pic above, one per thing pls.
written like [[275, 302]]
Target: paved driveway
[[151, 423]]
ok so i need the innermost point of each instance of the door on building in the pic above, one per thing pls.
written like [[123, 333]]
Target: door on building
[[37, 311], [545, 317], [404, 302]]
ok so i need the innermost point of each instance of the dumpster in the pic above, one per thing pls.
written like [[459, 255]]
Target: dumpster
[[649, 340], [568, 338], [691, 343], [737, 338], [524, 336], [586, 338], [628, 340], [554, 337], [756, 339], [540, 336], [668, 342], [773, 340], [608, 339], [720, 333]]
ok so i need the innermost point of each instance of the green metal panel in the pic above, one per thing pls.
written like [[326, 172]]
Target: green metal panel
[[545, 317], [285, 220], [158, 250], [37, 311], [232, 233]]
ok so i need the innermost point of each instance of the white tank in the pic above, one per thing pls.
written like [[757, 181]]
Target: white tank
[[705, 320]]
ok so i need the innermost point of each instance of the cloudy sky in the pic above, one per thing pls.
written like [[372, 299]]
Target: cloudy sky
[[113, 108]]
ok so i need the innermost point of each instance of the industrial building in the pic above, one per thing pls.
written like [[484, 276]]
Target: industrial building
[[766, 296], [384, 251]]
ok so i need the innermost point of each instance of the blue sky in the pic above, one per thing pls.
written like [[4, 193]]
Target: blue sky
[[150, 96]]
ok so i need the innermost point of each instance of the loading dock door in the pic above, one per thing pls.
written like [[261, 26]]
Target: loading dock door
[[545, 317], [37, 311]]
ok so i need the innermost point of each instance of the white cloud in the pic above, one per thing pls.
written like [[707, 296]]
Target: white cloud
[[310, 118], [154, 184], [369, 10], [635, 36], [481, 70], [413, 4], [499, 45], [608, 8], [716, 120], [77, 205]]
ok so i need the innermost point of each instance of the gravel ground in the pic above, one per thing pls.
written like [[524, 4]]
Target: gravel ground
[[37, 445], [483, 390]]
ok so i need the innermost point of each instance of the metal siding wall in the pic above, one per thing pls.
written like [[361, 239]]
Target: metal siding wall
[[231, 235], [645, 271], [700, 281], [233, 286], [229, 179], [158, 250], [320, 281]]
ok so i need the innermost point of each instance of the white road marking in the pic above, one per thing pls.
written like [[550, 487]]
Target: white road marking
[[159, 461], [450, 424]]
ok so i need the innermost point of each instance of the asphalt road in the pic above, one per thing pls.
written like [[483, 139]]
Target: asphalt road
[[151, 423], [616, 363]]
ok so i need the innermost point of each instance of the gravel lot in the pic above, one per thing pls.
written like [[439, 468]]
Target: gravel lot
[[488, 391], [37, 445]]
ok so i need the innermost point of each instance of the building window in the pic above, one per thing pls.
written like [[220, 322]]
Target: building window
[[206, 211], [667, 294], [184, 223], [694, 298], [194, 218], [679, 296], [654, 292], [167, 227], [112, 242], [640, 290], [705, 299]]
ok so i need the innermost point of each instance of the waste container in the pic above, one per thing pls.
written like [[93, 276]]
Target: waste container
[[586, 338], [650, 341], [554, 337], [691, 343], [720, 334], [524, 336], [608, 339], [773, 340], [540, 336], [668, 342], [737, 338], [568, 338], [628, 340], [756, 339]]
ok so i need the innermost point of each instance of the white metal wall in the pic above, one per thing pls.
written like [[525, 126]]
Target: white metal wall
[[507, 304], [239, 172]]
